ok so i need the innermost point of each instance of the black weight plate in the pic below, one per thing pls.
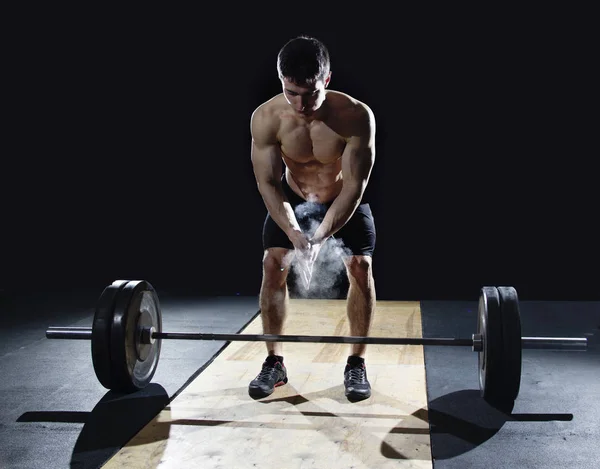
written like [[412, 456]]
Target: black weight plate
[[489, 325], [101, 327], [511, 344], [136, 302]]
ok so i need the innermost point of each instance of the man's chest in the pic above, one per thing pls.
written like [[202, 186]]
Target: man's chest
[[306, 141]]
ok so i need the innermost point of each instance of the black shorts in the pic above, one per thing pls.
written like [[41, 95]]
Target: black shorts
[[356, 237]]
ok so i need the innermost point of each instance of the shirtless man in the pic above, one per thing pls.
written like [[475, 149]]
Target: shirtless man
[[327, 141]]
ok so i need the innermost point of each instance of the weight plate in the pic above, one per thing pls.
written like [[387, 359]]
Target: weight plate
[[489, 325], [101, 327], [511, 345], [133, 364]]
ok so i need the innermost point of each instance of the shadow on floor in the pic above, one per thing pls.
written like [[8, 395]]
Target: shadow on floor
[[110, 425], [462, 420]]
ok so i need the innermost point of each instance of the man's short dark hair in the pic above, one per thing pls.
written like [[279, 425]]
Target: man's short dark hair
[[303, 60]]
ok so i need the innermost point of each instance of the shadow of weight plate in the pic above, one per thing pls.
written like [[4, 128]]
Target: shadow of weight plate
[[101, 329], [133, 360]]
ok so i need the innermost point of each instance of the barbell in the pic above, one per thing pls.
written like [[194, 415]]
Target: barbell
[[126, 337]]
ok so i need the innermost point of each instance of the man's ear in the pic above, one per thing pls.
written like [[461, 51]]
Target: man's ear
[[328, 79]]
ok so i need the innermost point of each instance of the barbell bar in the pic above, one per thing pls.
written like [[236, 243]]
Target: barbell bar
[[553, 343], [126, 337]]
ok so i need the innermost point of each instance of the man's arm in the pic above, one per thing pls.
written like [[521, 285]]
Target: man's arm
[[267, 167], [357, 162]]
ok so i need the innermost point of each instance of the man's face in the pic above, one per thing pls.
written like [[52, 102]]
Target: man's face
[[305, 99]]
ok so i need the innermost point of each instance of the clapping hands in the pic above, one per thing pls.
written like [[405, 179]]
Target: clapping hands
[[306, 250], [305, 260]]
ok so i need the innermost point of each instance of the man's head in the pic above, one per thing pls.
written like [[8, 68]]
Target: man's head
[[304, 70]]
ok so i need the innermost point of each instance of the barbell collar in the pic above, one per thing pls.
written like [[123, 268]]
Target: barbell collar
[[477, 343]]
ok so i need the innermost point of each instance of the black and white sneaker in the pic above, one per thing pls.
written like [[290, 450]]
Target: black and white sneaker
[[355, 379], [272, 375]]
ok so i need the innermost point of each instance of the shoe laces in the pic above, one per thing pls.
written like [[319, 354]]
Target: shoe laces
[[356, 373], [267, 372]]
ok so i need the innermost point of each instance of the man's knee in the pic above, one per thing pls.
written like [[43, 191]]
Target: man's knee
[[275, 265], [359, 268]]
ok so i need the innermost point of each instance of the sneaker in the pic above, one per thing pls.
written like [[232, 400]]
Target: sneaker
[[355, 379], [272, 375]]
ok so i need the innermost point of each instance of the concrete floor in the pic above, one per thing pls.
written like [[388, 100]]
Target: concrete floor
[[554, 423]]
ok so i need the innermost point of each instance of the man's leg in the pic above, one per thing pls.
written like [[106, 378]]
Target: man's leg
[[274, 295], [360, 308], [273, 300], [361, 298]]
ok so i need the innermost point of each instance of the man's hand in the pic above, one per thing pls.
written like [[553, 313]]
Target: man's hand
[[306, 250], [306, 259], [300, 241], [313, 251]]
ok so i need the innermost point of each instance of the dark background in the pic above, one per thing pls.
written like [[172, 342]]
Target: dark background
[[128, 146]]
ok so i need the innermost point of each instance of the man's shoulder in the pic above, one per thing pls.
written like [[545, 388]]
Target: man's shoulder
[[264, 120], [352, 111], [349, 104], [268, 108]]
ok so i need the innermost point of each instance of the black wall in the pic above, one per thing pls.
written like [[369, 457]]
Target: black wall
[[132, 155]]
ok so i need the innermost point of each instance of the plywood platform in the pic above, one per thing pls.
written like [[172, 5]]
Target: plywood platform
[[307, 423]]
